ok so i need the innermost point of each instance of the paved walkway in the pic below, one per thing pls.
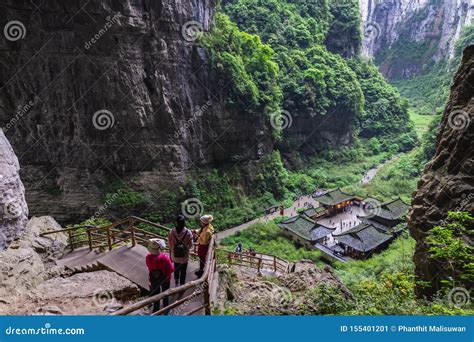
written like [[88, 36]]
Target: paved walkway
[[291, 211], [369, 175], [342, 222]]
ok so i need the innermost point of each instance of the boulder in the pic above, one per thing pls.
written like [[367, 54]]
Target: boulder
[[51, 247], [13, 208], [97, 292], [22, 265]]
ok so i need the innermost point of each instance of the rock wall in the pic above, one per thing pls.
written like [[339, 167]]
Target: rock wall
[[29, 260], [114, 88], [447, 183], [13, 208], [429, 28]]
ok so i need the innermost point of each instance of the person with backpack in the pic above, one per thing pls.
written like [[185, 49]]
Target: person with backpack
[[204, 237], [160, 269], [180, 242], [238, 248]]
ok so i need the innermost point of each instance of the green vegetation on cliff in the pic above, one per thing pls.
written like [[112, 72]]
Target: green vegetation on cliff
[[308, 38]]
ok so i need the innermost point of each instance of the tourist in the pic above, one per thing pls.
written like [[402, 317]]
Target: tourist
[[180, 242], [204, 237], [160, 269], [238, 248]]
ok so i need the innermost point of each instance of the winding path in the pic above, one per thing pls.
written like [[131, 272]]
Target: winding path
[[291, 211], [369, 175]]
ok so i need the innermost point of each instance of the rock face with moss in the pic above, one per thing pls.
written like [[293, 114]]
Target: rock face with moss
[[446, 183], [116, 89], [13, 208], [407, 36]]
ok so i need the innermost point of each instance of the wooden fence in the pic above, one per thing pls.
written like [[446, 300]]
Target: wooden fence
[[126, 231], [115, 234], [259, 261], [198, 287]]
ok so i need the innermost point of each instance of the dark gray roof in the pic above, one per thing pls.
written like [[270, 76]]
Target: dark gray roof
[[363, 237], [334, 197], [313, 211], [300, 225], [306, 228], [381, 226], [393, 210], [319, 231]]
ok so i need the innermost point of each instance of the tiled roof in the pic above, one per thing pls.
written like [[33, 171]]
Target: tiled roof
[[313, 211], [300, 225], [320, 231], [380, 226], [334, 197], [363, 237], [310, 212], [393, 210]]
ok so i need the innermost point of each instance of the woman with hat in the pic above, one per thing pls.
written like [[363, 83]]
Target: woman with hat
[[160, 270], [204, 236]]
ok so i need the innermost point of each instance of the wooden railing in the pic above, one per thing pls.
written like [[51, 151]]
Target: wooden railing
[[125, 231], [109, 236], [258, 261], [201, 286]]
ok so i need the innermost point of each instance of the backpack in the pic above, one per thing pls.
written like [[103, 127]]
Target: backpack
[[180, 250]]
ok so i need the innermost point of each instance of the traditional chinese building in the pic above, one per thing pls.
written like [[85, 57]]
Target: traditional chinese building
[[305, 231], [315, 213], [375, 232], [335, 200]]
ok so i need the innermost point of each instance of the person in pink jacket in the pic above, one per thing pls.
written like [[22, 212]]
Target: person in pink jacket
[[160, 270], [180, 242]]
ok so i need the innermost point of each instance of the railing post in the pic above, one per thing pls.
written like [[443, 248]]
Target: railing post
[[70, 239], [134, 242], [259, 265], [89, 238], [274, 263], [109, 240], [207, 298]]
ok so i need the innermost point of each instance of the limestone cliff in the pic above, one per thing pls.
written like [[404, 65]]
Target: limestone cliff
[[13, 208], [114, 88], [447, 183], [407, 36]]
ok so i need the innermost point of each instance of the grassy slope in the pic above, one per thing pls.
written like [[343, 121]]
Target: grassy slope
[[266, 238]]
